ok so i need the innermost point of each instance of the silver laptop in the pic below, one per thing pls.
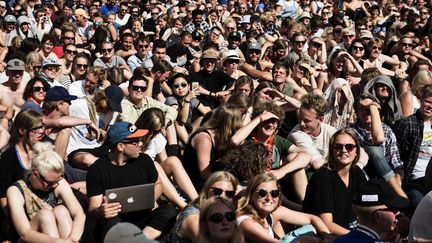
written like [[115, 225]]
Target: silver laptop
[[132, 198]]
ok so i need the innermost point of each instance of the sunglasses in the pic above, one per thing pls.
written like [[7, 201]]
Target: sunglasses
[[348, 36], [51, 68], [85, 66], [68, 38], [349, 146], [376, 47], [393, 210], [263, 193], [218, 192], [52, 184], [154, 13], [232, 61], [219, 217], [316, 44], [72, 52], [143, 46], [407, 44], [107, 50], [300, 42], [139, 88], [358, 48], [135, 142], [37, 67], [176, 86], [39, 89], [255, 52]]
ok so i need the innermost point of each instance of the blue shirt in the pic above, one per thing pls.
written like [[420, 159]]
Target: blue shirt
[[361, 234], [106, 10]]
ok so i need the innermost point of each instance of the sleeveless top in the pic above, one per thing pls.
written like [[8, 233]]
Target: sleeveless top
[[190, 162], [35, 200], [269, 220], [189, 210]]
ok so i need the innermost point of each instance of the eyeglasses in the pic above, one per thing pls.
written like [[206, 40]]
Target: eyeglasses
[[376, 47], [300, 42], [139, 88], [255, 52], [263, 193], [348, 36], [219, 217], [39, 89], [135, 143], [407, 44], [38, 129], [51, 184], [349, 146], [85, 66], [107, 50], [68, 38], [72, 52], [53, 68], [218, 192], [143, 46], [358, 48], [176, 86], [153, 13]]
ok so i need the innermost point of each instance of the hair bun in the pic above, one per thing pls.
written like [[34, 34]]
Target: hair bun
[[42, 147]]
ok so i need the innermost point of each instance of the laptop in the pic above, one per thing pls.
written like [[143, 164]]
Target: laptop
[[132, 198]]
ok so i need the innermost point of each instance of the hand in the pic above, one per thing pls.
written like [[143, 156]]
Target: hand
[[221, 94], [92, 128], [105, 83], [273, 93], [10, 112], [374, 104], [279, 175], [109, 210], [267, 115], [183, 70], [190, 96]]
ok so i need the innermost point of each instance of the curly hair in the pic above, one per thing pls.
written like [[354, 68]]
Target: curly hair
[[316, 102]]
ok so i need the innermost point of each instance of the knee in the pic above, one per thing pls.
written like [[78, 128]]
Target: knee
[[374, 151], [46, 217], [61, 213]]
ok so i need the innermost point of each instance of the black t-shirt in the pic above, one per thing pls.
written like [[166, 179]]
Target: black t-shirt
[[11, 170], [181, 57], [213, 82], [103, 174], [327, 193]]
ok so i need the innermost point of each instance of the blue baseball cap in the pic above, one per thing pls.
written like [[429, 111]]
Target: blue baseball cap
[[123, 130], [59, 93]]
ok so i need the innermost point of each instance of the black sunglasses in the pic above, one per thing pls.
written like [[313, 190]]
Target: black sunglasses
[[349, 146], [219, 217], [40, 89], [107, 50], [217, 192], [82, 65], [72, 52], [176, 86], [254, 51], [139, 88], [264, 193]]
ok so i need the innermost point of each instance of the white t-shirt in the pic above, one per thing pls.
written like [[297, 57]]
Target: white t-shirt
[[425, 153], [77, 88], [317, 147], [156, 146]]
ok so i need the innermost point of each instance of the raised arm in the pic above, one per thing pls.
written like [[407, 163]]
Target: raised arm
[[377, 130], [244, 132]]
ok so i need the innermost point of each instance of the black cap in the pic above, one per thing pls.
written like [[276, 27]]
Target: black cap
[[378, 192], [59, 93], [234, 35], [115, 96], [255, 18]]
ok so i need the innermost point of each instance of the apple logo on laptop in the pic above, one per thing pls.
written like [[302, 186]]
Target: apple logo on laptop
[[130, 200]]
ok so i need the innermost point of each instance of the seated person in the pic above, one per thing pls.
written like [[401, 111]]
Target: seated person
[[123, 166], [42, 206]]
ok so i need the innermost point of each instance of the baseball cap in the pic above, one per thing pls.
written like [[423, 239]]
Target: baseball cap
[[230, 55], [126, 232], [305, 15], [366, 34], [122, 130], [114, 95], [10, 19], [210, 54], [3, 4], [254, 46], [81, 12], [234, 35], [15, 65], [50, 62], [59, 93], [378, 192], [46, 2], [246, 19]]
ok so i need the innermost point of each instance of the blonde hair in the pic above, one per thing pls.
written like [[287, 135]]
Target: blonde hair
[[205, 212], [421, 80], [211, 180], [32, 58], [45, 159]]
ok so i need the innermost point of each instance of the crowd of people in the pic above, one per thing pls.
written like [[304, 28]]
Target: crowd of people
[[253, 121]]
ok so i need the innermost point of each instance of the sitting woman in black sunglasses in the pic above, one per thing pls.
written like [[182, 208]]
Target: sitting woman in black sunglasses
[[218, 222], [260, 213], [334, 182], [218, 184]]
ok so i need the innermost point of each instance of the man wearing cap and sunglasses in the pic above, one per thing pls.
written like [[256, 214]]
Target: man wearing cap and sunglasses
[[12, 90], [123, 166], [377, 208], [50, 70]]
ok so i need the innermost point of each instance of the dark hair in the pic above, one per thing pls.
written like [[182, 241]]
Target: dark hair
[[49, 37], [162, 66], [30, 44], [28, 90], [159, 44], [364, 96], [197, 12]]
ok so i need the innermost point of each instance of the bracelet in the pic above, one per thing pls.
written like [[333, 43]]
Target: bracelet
[[186, 101]]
